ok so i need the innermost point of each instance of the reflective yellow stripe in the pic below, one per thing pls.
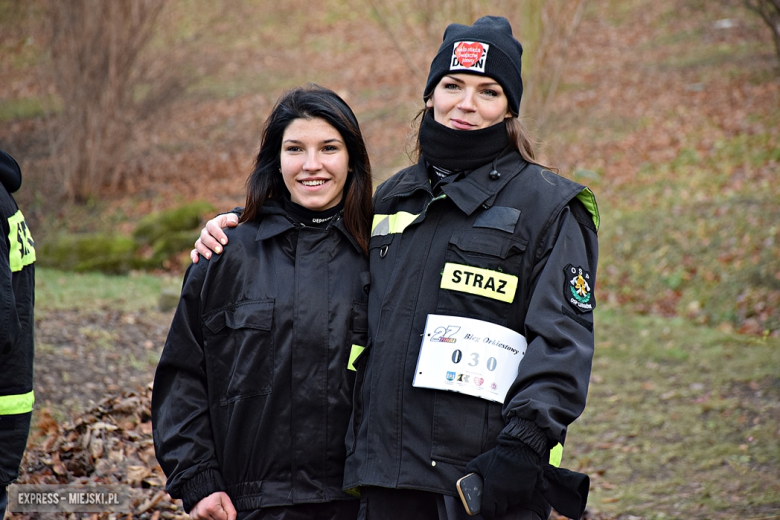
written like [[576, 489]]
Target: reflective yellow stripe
[[22, 247], [387, 224], [588, 199], [482, 282], [556, 454], [355, 492], [353, 354], [14, 404]]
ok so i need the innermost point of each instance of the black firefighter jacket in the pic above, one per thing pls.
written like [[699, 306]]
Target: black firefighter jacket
[[525, 222], [17, 299], [252, 394]]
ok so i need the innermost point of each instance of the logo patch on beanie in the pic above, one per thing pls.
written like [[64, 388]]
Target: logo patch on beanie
[[469, 56]]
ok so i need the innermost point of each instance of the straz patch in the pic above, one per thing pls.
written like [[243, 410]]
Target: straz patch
[[577, 289], [21, 251], [482, 282], [469, 56]]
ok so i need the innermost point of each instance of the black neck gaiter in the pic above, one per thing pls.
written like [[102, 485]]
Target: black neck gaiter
[[308, 217], [460, 150]]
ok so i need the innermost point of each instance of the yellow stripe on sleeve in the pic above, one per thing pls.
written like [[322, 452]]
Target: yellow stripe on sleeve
[[16, 404]]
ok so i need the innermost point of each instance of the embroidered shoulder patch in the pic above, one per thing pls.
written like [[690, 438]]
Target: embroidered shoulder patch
[[469, 56], [577, 289]]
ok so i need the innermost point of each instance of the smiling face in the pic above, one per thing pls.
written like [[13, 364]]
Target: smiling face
[[468, 102], [315, 163]]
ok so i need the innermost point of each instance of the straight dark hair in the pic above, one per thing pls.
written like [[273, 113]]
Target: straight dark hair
[[266, 182]]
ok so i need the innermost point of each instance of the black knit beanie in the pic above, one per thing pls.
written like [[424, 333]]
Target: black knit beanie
[[487, 48]]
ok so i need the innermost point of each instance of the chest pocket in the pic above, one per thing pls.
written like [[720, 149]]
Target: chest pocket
[[240, 349], [480, 275]]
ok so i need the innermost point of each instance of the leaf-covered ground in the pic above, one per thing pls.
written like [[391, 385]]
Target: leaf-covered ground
[[671, 111], [109, 443]]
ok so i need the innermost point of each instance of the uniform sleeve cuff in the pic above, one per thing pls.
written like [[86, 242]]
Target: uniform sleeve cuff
[[200, 486], [527, 432]]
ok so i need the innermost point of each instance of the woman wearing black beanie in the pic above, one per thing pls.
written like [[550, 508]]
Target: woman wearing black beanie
[[483, 268], [476, 229]]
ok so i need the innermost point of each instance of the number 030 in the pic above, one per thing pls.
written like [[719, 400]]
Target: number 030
[[457, 356]]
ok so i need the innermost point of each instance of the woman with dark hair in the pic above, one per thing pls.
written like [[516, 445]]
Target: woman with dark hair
[[483, 268], [253, 391], [476, 251]]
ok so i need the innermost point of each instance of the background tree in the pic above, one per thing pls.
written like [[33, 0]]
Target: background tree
[[95, 49], [769, 11], [112, 70], [544, 27]]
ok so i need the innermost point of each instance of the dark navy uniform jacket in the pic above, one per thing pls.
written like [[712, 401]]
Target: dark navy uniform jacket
[[526, 227], [252, 394], [17, 324]]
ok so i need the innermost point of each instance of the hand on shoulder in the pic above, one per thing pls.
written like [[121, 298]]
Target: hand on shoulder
[[212, 238]]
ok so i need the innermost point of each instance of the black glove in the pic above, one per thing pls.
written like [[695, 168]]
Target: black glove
[[565, 490], [511, 471]]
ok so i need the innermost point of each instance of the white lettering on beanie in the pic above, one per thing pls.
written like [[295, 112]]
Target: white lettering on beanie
[[469, 56]]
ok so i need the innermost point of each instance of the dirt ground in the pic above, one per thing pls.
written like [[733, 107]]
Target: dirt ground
[[82, 355]]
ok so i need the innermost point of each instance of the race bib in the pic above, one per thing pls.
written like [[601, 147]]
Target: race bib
[[468, 356]]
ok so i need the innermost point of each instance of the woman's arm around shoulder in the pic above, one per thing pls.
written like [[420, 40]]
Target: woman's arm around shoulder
[[212, 238]]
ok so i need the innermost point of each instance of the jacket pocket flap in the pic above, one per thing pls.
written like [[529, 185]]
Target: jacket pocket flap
[[498, 217], [245, 315], [487, 244]]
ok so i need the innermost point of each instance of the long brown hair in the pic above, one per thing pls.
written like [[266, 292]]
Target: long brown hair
[[266, 182]]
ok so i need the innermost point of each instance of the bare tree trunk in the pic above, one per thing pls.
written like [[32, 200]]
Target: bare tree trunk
[[383, 23], [566, 29], [95, 46], [769, 11]]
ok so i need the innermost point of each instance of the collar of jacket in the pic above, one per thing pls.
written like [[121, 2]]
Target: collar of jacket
[[476, 189], [275, 221]]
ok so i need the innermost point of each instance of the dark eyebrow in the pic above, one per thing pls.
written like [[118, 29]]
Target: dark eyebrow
[[453, 78], [483, 84], [326, 141]]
